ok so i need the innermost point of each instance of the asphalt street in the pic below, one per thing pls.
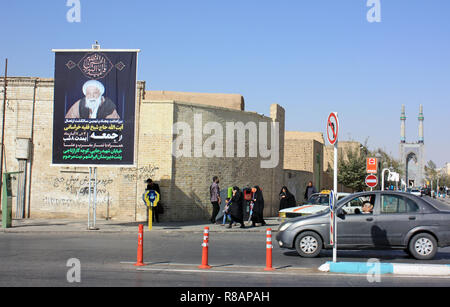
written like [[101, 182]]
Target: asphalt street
[[238, 260]]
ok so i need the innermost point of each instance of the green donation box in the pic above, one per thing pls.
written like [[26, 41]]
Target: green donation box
[[7, 200]]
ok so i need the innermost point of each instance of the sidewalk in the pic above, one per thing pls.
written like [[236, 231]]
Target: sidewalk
[[112, 226]]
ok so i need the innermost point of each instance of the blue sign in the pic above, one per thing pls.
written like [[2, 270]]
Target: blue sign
[[331, 201], [152, 196]]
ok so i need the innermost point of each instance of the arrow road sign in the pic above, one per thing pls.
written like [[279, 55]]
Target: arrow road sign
[[332, 128]]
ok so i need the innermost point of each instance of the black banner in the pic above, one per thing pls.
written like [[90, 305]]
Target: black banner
[[94, 108]]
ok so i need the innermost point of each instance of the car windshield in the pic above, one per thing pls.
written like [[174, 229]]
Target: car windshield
[[319, 199]]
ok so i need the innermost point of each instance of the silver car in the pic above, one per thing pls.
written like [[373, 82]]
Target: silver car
[[418, 225]]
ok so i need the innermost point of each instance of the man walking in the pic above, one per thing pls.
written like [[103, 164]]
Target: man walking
[[310, 190], [214, 192]]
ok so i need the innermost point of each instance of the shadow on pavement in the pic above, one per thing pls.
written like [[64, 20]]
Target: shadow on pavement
[[379, 254]]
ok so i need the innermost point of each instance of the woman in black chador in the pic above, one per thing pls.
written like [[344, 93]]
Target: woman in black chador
[[287, 199], [258, 207], [236, 209]]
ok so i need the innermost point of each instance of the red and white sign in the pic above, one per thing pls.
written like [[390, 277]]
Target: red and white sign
[[371, 181], [331, 228], [372, 165], [332, 128]]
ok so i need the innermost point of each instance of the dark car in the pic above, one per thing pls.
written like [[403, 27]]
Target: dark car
[[418, 225]]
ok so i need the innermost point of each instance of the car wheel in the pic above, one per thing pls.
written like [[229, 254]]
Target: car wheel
[[423, 246], [308, 244]]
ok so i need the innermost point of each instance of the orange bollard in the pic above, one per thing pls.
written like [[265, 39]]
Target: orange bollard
[[205, 264], [269, 248], [140, 250]]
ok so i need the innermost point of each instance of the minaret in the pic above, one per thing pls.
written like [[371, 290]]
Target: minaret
[[403, 129], [421, 119]]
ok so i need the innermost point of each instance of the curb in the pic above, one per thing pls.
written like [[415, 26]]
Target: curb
[[125, 227], [386, 268], [69, 230]]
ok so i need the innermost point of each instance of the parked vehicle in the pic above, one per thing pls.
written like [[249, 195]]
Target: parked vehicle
[[398, 220], [415, 191]]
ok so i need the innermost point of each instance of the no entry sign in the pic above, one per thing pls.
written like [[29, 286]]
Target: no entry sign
[[371, 181], [332, 128]]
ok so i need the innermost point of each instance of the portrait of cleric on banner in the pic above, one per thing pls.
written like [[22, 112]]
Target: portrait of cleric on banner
[[94, 107], [93, 104]]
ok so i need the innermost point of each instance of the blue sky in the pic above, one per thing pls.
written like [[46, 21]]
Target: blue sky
[[310, 56]]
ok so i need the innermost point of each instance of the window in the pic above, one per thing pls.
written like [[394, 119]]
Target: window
[[355, 205], [320, 199], [397, 204], [412, 206]]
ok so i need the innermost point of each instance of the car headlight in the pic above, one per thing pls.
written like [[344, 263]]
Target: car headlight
[[282, 214], [285, 226]]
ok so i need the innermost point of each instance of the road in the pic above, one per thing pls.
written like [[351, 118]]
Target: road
[[238, 260]]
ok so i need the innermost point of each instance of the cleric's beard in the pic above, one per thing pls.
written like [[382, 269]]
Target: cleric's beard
[[93, 103]]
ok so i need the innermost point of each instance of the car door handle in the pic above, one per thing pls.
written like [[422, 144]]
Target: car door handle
[[412, 218], [369, 219]]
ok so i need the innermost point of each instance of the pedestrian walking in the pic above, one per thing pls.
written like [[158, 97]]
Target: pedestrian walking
[[236, 208], [287, 199], [214, 192], [310, 190], [226, 212], [258, 207], [153, 186]]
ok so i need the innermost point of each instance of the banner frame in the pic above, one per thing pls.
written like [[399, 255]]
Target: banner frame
[[136, 137], [96, 50]]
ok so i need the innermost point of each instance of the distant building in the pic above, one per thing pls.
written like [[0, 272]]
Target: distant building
[[412, 155]]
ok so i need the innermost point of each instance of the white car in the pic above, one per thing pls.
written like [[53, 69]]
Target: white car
[[415, 192], [316, 203]]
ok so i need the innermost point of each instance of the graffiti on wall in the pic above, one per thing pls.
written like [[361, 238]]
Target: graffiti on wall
[[80, 185], [71, 191], [139, 174]]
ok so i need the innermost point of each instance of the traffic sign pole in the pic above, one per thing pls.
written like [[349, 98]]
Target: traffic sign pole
[[332, 133], [151, 200], [334, 207]]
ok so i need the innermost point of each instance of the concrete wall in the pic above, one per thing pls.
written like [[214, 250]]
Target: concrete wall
[[301, 135], [305, 155], [62, 192], [154, 154], [54, 191], [231, 101], [296, 182], [193, 176], [343, 149]]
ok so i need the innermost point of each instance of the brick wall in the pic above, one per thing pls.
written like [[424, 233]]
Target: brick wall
[[193, 176], [62, 192]]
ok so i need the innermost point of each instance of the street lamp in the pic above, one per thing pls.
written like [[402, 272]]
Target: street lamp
[[390, 169]]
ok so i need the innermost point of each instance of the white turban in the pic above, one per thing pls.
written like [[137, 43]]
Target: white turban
[[95, 83]]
